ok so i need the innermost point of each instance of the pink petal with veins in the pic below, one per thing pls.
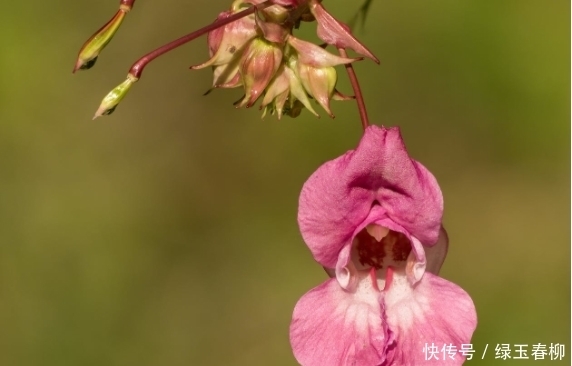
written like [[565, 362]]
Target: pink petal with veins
[[331, 326]]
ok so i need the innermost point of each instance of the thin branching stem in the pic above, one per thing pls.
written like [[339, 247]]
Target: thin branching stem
[[127, 3], [137, 69], [357, 91]]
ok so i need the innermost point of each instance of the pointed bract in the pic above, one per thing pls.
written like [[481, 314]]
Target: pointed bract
[[335, 33], [316, 56]]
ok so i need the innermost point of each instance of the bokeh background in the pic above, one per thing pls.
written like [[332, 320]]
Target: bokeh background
[[166, 233]]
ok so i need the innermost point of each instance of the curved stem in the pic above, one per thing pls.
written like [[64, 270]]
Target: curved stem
[[357, 91], [127, 3], [137, 69]]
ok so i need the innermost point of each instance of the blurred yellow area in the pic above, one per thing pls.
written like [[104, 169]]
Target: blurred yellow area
[[166, 233]]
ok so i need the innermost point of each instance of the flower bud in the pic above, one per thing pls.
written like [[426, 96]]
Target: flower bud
[[297, 92], [277, 93], [319, 83], [285, 93], [112, 99], [259, 63], [315, 69], [96, 43], [224, 44]]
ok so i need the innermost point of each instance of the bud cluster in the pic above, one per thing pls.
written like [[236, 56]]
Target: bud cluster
[[259, 53], [252, 46]]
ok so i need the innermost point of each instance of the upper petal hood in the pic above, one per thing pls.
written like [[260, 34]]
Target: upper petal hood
[[338, 197]]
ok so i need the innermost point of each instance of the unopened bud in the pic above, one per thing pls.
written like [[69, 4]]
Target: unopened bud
[[96, 43], [315, 69], [114, 97], [319, 83], [297, 92], [226, 46], [276, 93], [258, 65], [285, 93]]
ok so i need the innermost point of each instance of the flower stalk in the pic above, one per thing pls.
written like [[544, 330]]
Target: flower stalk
[[112, 99], [357, 91], [137, 68], [251, 45]]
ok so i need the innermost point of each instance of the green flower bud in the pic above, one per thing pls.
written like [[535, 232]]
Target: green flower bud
[[96, 43], [112, 99]]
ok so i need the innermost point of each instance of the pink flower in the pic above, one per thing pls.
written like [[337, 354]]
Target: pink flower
[[372, 218]]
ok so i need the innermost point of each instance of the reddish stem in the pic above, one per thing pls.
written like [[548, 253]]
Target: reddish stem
[[137, 69], [128, 3], [357, 91]]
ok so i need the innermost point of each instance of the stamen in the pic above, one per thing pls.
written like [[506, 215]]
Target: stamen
[[388, 278], [373, 276]]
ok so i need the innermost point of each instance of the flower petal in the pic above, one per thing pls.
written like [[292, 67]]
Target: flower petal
[[434, 312], [339, 196], [316, 56], [331, 326]]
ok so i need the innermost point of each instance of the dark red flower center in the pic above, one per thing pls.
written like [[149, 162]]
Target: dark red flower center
[[373, 253]]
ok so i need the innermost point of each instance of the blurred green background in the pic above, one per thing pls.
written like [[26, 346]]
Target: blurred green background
[[166, 233]]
